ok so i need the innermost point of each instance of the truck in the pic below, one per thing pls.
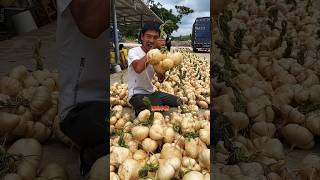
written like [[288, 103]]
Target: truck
[[201, 34]]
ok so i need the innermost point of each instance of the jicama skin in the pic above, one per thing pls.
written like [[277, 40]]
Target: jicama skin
[[304, 140], [149, 145], [270, 147], [313, 123], [140, 132], [310, 166], [19, 72], [154, 56], [144, 115], [129, 169], [40, 101], [114, 176], [193, 175], [252, 169], [118, 155], [204, 158], [168, 169], [189, 163], [273, 176], [291, 115], [31, 150], [23, 126], [260, 129], [10, 86], [169, 151], [12, 176], [238, 120], [53, 171]]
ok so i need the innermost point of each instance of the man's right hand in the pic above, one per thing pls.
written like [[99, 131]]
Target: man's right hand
[[160, 43]]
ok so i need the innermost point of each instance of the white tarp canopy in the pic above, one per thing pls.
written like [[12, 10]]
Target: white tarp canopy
[[133, 12], [129, 12]]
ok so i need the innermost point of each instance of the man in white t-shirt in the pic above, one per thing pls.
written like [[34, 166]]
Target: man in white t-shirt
[[82, 40], [140, 73]]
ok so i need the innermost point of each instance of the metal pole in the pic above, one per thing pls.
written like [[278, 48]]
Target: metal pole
[[115, 28], [141, 19]]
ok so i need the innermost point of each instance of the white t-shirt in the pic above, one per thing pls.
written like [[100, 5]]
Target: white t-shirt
[[82, 63], [139, 83]]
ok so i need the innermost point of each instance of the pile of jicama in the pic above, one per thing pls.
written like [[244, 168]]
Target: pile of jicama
[[21, 161], [28, 105], [164, 146], [190, 81], [265, 72], [28, 117]]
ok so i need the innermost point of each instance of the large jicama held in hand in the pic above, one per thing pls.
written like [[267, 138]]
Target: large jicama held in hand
[[154, 56], [163, 62]]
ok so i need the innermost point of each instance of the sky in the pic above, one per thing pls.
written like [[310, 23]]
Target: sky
[[201, 8]]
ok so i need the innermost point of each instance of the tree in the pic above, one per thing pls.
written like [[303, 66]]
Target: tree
[[166, 14]]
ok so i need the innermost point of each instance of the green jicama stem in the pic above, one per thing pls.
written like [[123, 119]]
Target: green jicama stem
[[163, 34]]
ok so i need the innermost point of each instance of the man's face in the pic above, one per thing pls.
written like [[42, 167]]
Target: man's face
[[149, 39]]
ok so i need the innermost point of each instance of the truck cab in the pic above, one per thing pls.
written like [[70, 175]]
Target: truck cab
[[201, 36]]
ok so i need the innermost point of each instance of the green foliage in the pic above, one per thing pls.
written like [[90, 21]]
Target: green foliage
[[166, 14], [182, 38]]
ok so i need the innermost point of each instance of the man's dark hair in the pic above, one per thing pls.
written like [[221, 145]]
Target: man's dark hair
[[150, 26]]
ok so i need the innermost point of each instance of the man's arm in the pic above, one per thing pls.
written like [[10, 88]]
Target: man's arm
[[140, 64], [91, 16]]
